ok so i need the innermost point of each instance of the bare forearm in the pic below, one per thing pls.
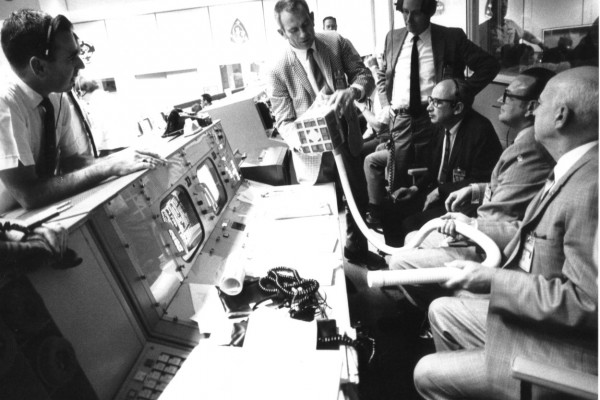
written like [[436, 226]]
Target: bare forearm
[[39, 193]]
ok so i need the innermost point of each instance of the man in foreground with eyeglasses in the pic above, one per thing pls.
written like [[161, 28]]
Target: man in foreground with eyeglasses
[[542, 304], [519, 174], [465, 150], [41, 159]]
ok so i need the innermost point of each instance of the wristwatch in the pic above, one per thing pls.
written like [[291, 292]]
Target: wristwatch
[[355, 92]]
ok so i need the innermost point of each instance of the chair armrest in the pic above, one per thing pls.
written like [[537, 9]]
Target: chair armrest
[[561, 379], [416, 171]]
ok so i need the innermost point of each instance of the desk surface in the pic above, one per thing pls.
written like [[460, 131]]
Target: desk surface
[[280, 356]]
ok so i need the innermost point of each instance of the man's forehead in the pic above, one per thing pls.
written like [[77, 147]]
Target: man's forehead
[[521, 83], [65, 41], [300, 15], [444, 88], [412, 5]]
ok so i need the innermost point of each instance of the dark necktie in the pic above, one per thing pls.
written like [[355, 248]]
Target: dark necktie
[[84, 120], [445, 159], [316, 71], [47, 162], [415, 88], [548, 186]]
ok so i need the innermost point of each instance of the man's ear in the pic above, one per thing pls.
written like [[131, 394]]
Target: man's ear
[[530, 108], [281, 32], [38, 66], [459, 108], [562, 116], [312, 17]]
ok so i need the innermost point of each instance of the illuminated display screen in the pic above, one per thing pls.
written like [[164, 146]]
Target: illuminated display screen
[[185, 227], [211, 184]]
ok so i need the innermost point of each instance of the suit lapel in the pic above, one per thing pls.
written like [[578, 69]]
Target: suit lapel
[[536, 207], [437, 46], [396, 51], [327, 58], [458, 143], [300, 74], [535, 212]]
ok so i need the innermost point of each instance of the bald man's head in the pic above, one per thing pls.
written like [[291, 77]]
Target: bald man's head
[[568, 108]]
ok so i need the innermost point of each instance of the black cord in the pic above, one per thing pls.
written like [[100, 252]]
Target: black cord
[[301, 295], [345, 340], [11, 226]]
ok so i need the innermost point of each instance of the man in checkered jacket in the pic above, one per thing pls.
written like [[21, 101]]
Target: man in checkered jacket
[[312, 66]]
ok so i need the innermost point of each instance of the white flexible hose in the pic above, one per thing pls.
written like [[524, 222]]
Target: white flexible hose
[[429, 275]]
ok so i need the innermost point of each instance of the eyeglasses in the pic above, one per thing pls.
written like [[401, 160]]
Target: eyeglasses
[[514, 96], [437, 103]]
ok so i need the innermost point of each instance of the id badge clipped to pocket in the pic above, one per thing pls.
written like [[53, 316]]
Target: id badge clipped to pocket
[[527, 254], [458, 175]]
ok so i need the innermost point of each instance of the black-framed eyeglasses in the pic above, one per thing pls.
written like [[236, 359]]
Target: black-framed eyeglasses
[[514, 96], [437, 103]]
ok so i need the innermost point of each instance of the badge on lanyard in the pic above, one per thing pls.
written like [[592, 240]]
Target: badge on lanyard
[[527, 254], [458, 175]]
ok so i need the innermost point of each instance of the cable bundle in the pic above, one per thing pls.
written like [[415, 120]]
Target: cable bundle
[[301, 295]]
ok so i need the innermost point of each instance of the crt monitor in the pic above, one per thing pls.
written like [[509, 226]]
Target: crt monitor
[[212, 186], [185, 227]]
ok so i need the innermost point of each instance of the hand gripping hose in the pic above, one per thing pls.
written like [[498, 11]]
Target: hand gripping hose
[[417, 276]]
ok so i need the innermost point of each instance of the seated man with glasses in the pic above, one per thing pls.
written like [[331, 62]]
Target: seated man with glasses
[[465, 150], [519, 174], [41, 158]]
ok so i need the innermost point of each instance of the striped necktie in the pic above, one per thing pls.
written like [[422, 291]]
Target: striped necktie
[[316, 71], [445, 159]]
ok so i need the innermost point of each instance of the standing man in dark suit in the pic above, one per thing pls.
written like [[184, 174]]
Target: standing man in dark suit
[[465, 151], [543, 302], [316, 64], [415, 59]]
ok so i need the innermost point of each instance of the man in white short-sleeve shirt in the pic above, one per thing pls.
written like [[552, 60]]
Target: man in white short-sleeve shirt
[[44, 55]]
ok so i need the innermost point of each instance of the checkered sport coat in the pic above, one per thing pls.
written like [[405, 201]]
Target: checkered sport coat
[[292, 94], [551, 313]]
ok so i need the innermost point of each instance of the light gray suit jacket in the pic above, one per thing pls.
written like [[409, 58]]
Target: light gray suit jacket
[[551, 313], [517, 177], [292, 94]]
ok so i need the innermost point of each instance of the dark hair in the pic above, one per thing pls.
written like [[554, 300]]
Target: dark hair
[[541, 76], [462, 92], [207, 97], [30, 33], [427, 6], [330, 17], [290, 6]]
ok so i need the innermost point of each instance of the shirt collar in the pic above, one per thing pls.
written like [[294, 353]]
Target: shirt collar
[[32, 98], [570, 158], [454, 129], [302, 53], [522, 133], [425, 36]]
